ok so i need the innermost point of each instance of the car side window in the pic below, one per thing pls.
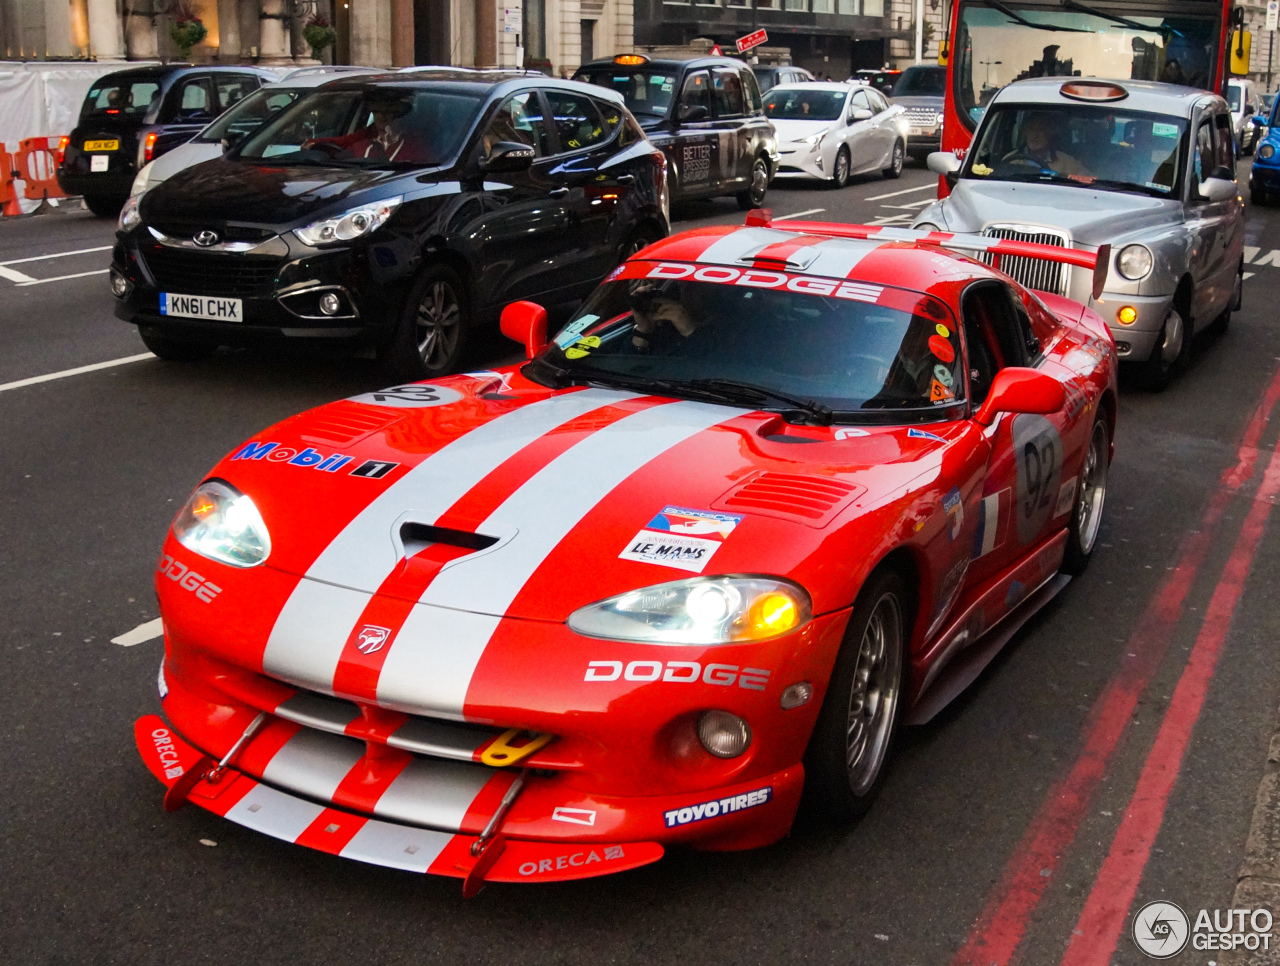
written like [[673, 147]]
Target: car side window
[[577, 121], [1202, 159], [860, 102], [233, 88], [751, 90], [1226, 143], [518, 119], [191, 100], [695, 94], [996, 332], [878, 103], [726, 86], [611, 114]]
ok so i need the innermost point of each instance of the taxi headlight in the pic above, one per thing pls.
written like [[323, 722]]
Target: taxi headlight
[[700, 610], [1134, 262], [350, 224], [222, 524], [129, 217], [1266, 151]]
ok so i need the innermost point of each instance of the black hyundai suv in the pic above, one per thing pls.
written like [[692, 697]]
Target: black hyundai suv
[[133, 116], [705, 113], [400, 209]]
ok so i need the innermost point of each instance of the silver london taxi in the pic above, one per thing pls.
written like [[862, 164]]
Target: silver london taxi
[[1146, 168]]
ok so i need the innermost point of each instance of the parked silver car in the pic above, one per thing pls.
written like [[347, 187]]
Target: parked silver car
[[1147, 168]]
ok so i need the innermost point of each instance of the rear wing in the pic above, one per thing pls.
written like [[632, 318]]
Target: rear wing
[[1097, 262]]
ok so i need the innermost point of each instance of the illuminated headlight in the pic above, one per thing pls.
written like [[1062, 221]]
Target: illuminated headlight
[[129, 217], [350, 224], [700, 610], [1134, 262], [223, 525], [723, 734], [813, 140], [939, 119], [1266, 151]]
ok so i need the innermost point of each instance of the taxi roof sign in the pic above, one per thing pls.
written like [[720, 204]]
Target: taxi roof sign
[[631, 60], [1093, 91]]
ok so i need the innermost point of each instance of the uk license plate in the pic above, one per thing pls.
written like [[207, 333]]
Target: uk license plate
[[916, 131], [98, 163], [201, 307], [110, 144]]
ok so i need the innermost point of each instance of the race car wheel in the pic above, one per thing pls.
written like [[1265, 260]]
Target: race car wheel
[[896, 160], [844, 764], [753, 197], [104, 206], [1091, 495], [1172, 347], [176, 350], [434, 329], [840, 176]]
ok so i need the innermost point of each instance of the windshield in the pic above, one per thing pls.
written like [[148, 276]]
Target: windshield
[[1233, 98], [995, 49], [125, 94], [791, 104], [646, 91], [1099, 147], [922, 82], [247, 115], [377, 126], [819, 345]]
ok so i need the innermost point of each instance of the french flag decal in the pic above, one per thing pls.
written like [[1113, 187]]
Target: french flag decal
[[987, 537]]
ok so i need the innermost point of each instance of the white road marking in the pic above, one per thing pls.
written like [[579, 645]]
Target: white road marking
[[904, 191], [1247, 275], [62, 278], [6, 386], [14, 276], [799, 214], [911, 205], [41, 258], [891, 220], [141, 634]]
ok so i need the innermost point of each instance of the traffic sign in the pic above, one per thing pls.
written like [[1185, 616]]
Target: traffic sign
[[1273, 13], [758, 37]]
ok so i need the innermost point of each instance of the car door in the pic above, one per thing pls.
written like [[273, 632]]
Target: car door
[[1204, 222], [885, 125], [1230, 226], [694, 149], [523, 240], [864, 152], [733, 128]]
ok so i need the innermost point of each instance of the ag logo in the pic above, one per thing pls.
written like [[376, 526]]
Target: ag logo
[[371, 638], [1161, 929], [1037, 450], [409, 397]]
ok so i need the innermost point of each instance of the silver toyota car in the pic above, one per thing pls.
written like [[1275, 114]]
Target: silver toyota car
[[1147, 168]]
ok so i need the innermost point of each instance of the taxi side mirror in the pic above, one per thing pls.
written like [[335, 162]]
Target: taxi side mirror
[[1216, 189], [525, 323], [1020, 390]]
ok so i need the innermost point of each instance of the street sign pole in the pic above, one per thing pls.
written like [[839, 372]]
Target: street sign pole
[[919, 31]]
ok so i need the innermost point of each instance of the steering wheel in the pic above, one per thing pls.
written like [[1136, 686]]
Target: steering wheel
[[327, 147]]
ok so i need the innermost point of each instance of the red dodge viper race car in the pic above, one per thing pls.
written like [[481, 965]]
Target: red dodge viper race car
[[774, 492]]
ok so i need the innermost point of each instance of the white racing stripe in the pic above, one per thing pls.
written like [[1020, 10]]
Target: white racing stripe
[[734, 247], [313, 763], [395, 846], [432, 659], [838, 257], [274, 813]]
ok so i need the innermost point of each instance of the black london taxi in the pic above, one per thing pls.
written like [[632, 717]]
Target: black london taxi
[[130, 117], [706, 115]]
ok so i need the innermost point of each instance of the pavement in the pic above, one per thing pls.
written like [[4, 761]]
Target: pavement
[[1110, 757]]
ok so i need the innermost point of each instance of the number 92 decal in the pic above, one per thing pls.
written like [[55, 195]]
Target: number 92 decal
[[1037, 449]]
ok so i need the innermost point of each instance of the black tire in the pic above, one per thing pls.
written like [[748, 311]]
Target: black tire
[[1169, 354], [435, 329], [104, 206], [638, 238], [896, 160], [840, 173], [177, 350], [753, 197], [1091, 498], [1258, 195], [836, 787]]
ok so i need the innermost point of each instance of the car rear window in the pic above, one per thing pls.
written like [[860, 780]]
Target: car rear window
[[645, 91], [121, 94]]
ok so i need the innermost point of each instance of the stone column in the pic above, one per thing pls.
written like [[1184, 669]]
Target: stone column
[[371, 33], [486, 33], [106, 39], [229, 31], [402, 34], [140, 33], [274, 44]]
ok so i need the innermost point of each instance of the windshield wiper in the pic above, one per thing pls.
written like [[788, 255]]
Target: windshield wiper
[[1019, 19], [752, 394], [1123, 21], [1092, 182]]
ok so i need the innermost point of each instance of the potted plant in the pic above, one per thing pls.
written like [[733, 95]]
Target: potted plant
[[185, 29], [319, 35]]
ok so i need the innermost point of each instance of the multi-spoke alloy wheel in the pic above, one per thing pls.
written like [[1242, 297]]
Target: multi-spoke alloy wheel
[[1091, 497], [438, 326], [874, 695]]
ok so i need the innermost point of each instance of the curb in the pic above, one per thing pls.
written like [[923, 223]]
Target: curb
[[1258, 881]]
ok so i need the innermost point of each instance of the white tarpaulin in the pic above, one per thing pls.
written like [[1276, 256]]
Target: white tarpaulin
[[42, 99]]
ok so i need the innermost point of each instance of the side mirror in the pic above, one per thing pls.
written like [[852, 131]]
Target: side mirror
[[860, 114], [943, 163], [1217, 189], [526, 323], [1020, 390], [508, 156], [693, 113]]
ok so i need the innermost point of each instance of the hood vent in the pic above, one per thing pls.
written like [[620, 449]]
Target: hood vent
[[344, 423], [792, 497], [416, 537]]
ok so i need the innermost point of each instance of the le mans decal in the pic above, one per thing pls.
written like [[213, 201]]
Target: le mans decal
[[682, 538]]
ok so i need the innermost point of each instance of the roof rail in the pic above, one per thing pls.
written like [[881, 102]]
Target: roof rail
[[1098, 262]]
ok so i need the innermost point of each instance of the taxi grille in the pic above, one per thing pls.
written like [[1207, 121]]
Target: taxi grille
[[1034, 273], [210, 273]]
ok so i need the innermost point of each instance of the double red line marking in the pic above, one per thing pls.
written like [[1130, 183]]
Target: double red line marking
[[1003, 922]]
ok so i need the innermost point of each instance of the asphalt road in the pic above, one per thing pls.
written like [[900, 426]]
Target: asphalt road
[[986, 845]]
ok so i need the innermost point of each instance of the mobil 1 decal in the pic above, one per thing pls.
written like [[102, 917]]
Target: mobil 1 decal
[[1037, 451]]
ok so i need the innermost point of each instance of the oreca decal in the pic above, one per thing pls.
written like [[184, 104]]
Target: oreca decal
[[166, 753], [756, 278], [573, 859], [1037, 450]]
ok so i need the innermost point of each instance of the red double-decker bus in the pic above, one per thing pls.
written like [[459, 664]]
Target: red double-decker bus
[[1198, 43]]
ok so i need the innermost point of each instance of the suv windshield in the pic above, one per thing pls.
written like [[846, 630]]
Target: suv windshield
[[646, 90], [921, 82], [826, 347], [995, 49], [784, 104], [1097, 147], [1233, 98], [377, 126], [247, 115], [126, 94]]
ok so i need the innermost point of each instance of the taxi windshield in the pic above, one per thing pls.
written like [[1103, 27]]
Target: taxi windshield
[[1089, 146], [798, 104], [828, 349], [373, 127], [646, 90]]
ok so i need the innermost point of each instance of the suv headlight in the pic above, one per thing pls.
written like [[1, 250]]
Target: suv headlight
[[222, 524], [1134, 262], [700, 610], [350, 224], [129, 216]]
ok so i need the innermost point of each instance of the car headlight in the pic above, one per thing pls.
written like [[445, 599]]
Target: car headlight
[[925, 226], [700, 610], [129, 217], [815, 139], [350, 224], [939, 119], [141, 181], [1266, 151], [1134, 262], [223, 525]]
